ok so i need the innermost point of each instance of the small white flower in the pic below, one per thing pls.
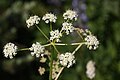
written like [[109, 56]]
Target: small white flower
[[55, 69], [41, 70], [67, 59], [55, 35], [49, 17], [32, 20], [71, 15], [90, 69], [91, 42], [43, 59], [10, 50], [54, 74], [68, 27], [37, 49]]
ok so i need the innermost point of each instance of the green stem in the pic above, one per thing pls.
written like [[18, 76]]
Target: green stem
[[61, 44], [42, 33], [53, 44], [50, 74], [47, 45], [51, 65], [55, 48], [79, 32], [24, 49], [79, 35], [59, 73], [77, 48], [47, 37], [50, 26]]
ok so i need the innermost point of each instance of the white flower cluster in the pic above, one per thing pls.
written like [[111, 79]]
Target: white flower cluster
[[37, 49], [55, 35], [67, 59], [68, 27], [10, 50], [90, 69], [55, 69], [49, 17], [91, 42], [69, 14], [32, 20]]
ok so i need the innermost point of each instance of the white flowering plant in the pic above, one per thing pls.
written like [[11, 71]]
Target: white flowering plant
[[62, 60]]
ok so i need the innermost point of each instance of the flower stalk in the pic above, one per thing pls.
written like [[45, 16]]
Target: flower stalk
[[51, 64], [59, 73], [61, 60], [42, 33]]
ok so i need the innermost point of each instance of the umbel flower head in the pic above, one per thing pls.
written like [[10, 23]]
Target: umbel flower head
[[55, 35], [67, 59], [37, 49], [10, 50], [90, 69], [49, 17], [67, 27], [91, 42], [32, 20], [71, 15]]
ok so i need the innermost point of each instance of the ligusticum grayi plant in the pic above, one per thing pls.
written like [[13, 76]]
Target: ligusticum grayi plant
[[63, 60]]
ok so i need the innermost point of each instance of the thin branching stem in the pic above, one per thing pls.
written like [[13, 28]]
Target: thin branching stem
[[47, 45], [47, 38], [62, 44], [51, 65], [24, 49], [59, 73], [79, 32], [42, 33], [77, 48], [73, 44], [53, 44], [50, 26]]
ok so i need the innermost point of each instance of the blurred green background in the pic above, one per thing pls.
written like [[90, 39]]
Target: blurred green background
[[103, 19]]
